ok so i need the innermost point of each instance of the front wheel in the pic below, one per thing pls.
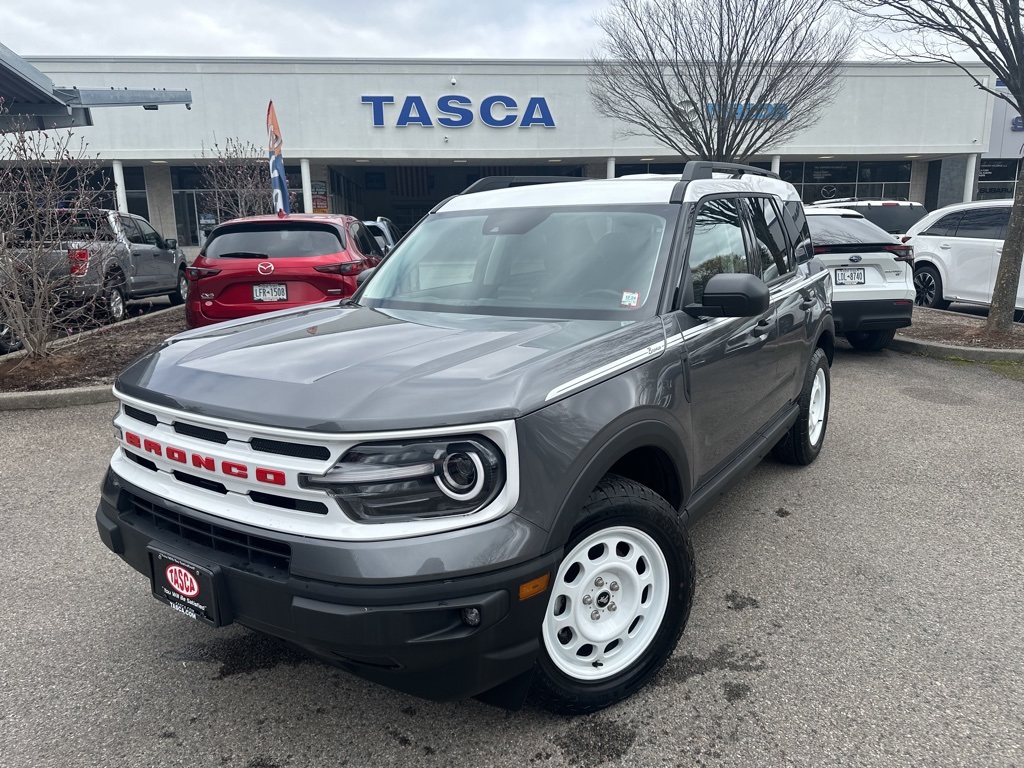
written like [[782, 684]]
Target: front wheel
[[619, 601], [870, 341], [802, 443]]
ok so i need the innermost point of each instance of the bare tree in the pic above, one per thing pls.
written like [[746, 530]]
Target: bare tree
[[719, 79], [237, 177], [947, 31], [47, 193]]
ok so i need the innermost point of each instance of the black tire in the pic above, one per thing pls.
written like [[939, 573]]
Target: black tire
[[115, 302], [179, 294], [9, 342], [635, 532], [802, 443], [1018, 315], [928, 288], [870, 341]]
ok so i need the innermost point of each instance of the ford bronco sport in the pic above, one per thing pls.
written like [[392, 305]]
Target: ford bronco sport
[[475, 477]]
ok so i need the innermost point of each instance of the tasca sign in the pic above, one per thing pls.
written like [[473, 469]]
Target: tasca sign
[[456, 111]]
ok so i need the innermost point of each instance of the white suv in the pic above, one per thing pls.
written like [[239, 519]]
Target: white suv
[[872, 272], [957, 251]]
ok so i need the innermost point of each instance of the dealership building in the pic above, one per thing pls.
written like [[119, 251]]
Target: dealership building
[[393, 137]]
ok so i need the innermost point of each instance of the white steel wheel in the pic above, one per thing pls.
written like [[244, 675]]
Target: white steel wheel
[[607, 603], [817, 407], [618, 602]]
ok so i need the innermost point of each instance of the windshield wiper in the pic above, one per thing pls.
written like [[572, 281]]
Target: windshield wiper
[[241, 255]]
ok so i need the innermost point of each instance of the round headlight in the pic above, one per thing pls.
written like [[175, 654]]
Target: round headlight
[[462, 475]]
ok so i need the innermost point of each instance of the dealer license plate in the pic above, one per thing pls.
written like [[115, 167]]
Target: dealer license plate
[[271, 292], [850, 276], [188, 588]]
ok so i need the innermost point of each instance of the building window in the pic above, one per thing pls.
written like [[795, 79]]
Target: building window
[[997, 179], [832, 180]]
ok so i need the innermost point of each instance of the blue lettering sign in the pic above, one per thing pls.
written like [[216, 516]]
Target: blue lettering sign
[[378, 103], [488, 118], [537, 113], [455, 107], [758, 111], [414, 111], [456, 111]]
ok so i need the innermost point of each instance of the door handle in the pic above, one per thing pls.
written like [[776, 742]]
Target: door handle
[[944, 246], [808, 303]]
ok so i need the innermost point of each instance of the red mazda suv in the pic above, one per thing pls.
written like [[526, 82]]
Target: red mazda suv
[[264, 263]]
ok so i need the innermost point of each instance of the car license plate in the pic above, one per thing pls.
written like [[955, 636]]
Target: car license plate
[[270, 292], [188, 588], [850, 276]]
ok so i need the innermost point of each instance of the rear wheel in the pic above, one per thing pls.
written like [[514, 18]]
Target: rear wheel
[[179, 294], [802, 444], [928, 288], [619, 601], [115, 305], [870, 341], [8, 340]]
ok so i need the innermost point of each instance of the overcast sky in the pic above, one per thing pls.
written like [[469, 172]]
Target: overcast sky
[[535, 29]]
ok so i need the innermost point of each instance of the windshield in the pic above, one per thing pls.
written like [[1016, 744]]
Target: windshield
[[586, 262], [275, 240]]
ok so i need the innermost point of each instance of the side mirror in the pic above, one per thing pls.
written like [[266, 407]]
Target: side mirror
[[363, 276], [171, 243], [732, 295]]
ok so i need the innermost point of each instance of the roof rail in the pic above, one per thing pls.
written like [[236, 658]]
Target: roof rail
[[703, 169], [488, 183]]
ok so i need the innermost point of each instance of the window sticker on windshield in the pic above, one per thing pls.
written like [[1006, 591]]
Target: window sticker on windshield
[[630, 299]]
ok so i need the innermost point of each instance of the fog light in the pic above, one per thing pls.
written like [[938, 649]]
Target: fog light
[[471, 617]]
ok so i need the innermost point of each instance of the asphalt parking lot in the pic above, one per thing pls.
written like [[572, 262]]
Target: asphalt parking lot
[[867, 610]]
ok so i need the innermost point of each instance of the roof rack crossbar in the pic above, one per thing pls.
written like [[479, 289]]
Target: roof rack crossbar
[[488, 183], [703, 169]]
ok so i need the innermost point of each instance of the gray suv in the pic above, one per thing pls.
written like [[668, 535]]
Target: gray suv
[[476, 476]]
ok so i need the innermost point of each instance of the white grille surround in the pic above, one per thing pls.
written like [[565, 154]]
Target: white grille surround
[[192, 455]]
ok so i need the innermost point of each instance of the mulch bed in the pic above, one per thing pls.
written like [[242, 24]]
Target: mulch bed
[[90, 359], [97, 358]]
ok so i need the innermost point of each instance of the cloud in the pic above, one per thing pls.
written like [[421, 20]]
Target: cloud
[[534, 29]]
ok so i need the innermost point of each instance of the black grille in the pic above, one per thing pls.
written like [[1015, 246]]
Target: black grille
[[141, 461], [142, 416], [291, 449], [285, 502], [200, 482], [250, 549], [213, 435]]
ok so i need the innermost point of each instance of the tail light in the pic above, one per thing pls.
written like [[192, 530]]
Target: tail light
[[905, 238], [822, 249], [198, 273], [345, 268], [903, 252], [78, 260]]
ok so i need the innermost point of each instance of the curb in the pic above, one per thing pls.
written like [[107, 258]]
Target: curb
[[945, 352], [56, 398]]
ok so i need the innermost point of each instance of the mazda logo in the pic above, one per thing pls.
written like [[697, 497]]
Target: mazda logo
[[265, 268]]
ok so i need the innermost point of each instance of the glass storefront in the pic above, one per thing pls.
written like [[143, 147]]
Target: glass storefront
[[997, 179], [829, 180]]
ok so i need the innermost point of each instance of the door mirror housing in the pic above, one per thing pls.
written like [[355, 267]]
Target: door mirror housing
[[171, 244], [732, 295], [363, 276]]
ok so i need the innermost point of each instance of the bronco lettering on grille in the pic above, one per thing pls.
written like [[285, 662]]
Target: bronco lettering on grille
[[209, 463]]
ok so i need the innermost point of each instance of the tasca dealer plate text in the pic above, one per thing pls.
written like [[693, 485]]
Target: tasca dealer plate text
[[190, 589]]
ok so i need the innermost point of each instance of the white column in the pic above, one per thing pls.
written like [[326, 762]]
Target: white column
[[970, 176], [122, 198], [611, 168], [776, 163], [307, 188]]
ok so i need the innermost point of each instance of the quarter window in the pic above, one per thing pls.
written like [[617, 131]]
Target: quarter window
[[717, 245], [986, 223]]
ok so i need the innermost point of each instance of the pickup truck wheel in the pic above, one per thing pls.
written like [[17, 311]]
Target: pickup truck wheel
[[619, 601], [870, 341], [9, 342], [114, 302], [802, 443], [179, 295]]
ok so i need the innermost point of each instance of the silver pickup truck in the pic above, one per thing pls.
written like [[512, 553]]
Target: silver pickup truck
[[110, 258]]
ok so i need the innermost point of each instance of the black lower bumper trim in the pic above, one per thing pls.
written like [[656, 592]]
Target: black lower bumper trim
[[871, 315]]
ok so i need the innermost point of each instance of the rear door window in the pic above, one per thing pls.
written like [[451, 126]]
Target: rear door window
[[274, 241], [770, 247], [944, 227]]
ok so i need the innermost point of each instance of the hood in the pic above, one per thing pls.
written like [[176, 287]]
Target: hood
[[342, 369]]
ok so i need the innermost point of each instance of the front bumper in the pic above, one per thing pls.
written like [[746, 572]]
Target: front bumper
[[409, 636], [875, 315]]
